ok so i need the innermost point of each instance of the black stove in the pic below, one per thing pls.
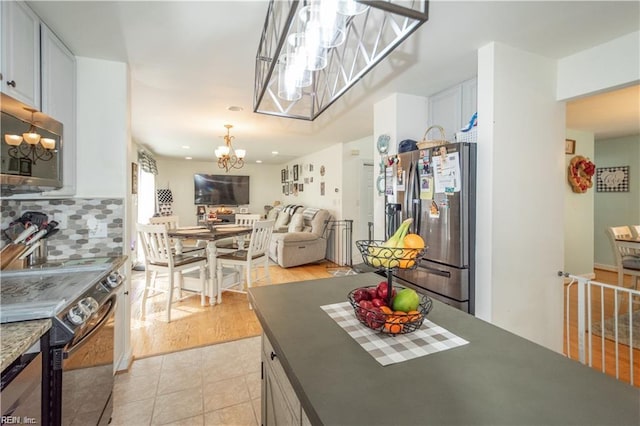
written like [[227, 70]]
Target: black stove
[[69, 293], [80, 297]]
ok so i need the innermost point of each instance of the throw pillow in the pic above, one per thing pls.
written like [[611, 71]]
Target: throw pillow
[[282, 220], [297, 223]]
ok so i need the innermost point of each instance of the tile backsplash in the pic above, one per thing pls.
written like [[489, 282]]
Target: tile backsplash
[[76, 217]]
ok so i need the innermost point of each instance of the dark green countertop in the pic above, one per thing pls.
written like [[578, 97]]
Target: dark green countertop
[[496, 379]]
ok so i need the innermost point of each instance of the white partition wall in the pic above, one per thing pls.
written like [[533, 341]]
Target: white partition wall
[[521, 184]]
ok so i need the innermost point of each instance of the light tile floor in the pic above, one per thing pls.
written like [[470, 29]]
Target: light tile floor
[[212, 385]]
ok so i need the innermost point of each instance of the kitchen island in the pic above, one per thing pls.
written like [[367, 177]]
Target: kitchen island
[[497, 378]]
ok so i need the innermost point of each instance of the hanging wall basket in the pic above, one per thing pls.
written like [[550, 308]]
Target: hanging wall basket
[[580, 173]]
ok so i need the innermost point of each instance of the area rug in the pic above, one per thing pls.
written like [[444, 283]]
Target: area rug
[[623, 329], [341, 272]]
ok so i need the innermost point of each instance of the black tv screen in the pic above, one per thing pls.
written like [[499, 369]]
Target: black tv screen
[[225, 190]]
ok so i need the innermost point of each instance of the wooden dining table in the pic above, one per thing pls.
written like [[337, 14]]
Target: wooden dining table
[[210, 234]]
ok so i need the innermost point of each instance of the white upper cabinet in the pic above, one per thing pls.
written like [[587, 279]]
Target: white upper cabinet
[[452, 108], [20, 53], [59, 101]]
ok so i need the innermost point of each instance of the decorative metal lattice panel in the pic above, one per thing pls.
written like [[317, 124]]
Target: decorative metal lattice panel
[[369, 38]]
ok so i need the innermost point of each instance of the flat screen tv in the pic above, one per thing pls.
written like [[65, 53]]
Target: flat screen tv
[[215, 190]]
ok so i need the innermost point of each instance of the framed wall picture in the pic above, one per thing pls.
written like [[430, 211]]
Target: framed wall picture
[[283, 175], [134, 178], [612, 179], [25, 167], [285, 189], [295, 172], [569, 146]]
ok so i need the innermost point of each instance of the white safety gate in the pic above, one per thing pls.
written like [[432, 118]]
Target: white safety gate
[[608, 326]]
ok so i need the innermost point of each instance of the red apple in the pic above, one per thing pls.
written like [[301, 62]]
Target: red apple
[[360, 294], [383, 290], [375, 318], [372, 293], [377, 302]]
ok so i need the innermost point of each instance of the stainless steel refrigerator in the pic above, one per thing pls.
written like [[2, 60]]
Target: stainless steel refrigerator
[[436, 187]]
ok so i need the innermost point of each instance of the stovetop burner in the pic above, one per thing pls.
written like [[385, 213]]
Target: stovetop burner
[[48, 292]]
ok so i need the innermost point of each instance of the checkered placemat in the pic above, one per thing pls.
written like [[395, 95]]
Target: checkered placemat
[[386, 349]]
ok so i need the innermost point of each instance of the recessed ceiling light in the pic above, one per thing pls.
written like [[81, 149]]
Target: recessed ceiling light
[[274, 152], [234, 108], [188, 158], [185, 146], [258, 161]]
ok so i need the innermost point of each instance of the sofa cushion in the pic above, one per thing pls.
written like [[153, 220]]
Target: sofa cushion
[[283, 220], [273, 213], [297, 223], [297, 236]]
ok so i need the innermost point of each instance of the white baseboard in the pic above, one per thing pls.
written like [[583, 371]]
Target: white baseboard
[[605, 267]]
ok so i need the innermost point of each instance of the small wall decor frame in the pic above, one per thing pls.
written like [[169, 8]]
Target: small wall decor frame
[[612, 179], [569, 146], [295, 172], [283, 175], [285, 189]]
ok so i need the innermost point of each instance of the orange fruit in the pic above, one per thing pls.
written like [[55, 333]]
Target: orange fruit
[[386, 310], [393, 328], [414, 241], [414, 315], [401, 316]]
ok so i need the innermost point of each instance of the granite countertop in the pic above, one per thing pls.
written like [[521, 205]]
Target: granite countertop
[[17, 337], [497, 378]]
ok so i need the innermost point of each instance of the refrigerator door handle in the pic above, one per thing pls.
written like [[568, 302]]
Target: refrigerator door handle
[[417, 202], [408, 193]]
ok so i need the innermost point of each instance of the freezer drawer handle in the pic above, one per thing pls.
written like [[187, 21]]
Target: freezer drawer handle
[[438, 272]]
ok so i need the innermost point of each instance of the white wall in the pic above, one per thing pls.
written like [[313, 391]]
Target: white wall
[[578, 214], [103, 128], [331, 159], [520, 194], [400, 116], [177, 175], [608, 65]]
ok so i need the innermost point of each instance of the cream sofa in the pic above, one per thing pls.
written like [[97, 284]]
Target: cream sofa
[[303, 240]]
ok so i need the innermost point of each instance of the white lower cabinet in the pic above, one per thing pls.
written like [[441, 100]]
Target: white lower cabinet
[[280, 404]]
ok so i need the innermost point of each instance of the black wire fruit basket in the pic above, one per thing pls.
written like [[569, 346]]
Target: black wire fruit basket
[[386, 320], [377, 255]]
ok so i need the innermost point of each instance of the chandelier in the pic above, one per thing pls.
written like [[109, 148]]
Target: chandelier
[[229, 158], [311, 52], [34, 148]]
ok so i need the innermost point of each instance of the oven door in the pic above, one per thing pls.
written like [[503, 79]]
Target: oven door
[[87, 372]]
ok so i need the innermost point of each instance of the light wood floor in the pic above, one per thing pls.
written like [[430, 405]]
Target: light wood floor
[[193, 325]]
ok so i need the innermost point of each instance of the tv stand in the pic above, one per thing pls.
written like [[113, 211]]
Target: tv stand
[[227, 217]]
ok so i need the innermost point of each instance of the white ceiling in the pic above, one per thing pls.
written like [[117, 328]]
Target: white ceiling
[[189, 61]]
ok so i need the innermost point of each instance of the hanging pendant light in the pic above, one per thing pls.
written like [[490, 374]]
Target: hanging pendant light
[[229, 158]]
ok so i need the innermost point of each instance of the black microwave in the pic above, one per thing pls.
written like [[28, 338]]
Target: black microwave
[[31, 151]]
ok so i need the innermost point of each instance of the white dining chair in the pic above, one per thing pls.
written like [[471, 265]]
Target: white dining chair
[[627, 258], [237, 243], [159, 258], [173, 222], [249, 259]]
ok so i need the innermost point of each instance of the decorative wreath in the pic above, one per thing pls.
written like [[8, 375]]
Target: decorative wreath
[[581, 170]]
